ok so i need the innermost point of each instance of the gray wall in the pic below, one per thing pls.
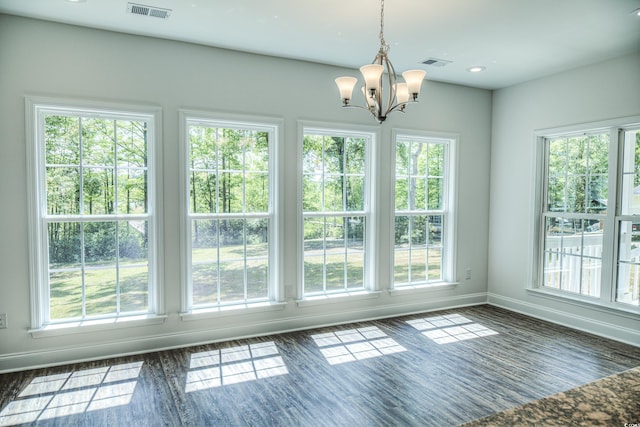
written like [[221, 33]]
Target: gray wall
[[48, 59], [595, 93]]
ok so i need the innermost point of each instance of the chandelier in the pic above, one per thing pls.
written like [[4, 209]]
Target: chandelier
[[380, 100]]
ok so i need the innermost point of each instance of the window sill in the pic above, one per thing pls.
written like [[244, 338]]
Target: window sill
[[586, 302], [91, 326], [418, 289], [231, 310], [337, 298]]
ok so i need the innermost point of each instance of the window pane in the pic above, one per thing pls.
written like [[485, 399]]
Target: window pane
[[65, 250], [314, 273], [435, 264], [419, 231], [557, 170], [401, 266], [257, 254], [132, 191], [355, 193], [257, 192], [312, 193], [332, 263], [597, 191], [132, 144], [134, 288], [435, 193], [232, 260], [63, 191], [436, 160], [230, 197], [98, 142], [202, 192], [355, 252], [232, 281], [333, 194], [577, 148], [419, 193], [133, 250], [312, 155], [65, 294], [334, 155], [204, 261], [355, 156], [573, 255], [98, 191], [417, 259], [418, 263], [100, 242], [628, 288], [575, 200], [203, 147], [436, 223], [257, 153], [65, 274], [577, 174], [631, 174], [556, 193], [229, 261], [100, 289], [62, 142], [402, 194]]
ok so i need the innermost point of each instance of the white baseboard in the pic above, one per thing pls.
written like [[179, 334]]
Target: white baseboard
[[581, 323], [139, 345]]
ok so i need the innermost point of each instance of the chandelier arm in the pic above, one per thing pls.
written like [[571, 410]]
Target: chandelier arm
[[373, 112], [398, 107], [391, 79]]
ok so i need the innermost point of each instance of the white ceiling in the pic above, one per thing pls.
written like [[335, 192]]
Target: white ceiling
[[516, 40]]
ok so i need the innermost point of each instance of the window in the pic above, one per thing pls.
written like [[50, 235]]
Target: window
[[588, 200], [93, 211], [229, 199], [422, 233], [575, 214], [335, 211], [628, 283]]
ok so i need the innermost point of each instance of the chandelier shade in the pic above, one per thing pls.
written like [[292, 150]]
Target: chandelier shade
[[381, 91]]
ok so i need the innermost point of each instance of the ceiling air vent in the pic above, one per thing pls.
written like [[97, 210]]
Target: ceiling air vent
[[435, 62], [141, 9]]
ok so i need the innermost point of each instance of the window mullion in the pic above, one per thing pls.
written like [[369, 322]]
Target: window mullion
[[614, 195]]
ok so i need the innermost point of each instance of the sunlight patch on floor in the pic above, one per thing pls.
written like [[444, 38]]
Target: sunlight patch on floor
[[355, 344], [233, 365], [71, 393], [450, 328]]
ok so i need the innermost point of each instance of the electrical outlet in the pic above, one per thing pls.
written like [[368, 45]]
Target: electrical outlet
[[3, 320], [468, 274]]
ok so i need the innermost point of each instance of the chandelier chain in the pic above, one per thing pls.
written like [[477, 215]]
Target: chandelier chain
[[384, 46]]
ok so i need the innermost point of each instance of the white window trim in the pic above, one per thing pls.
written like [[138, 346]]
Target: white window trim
[[372, 134], [275, 127], [450, 210], [35, 106], [607, 300]]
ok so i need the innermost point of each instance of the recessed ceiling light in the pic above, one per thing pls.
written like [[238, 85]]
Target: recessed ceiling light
[[76, 1], [476, 69]]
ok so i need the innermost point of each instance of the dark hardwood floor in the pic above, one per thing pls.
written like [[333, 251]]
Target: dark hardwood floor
[[434, 369]]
